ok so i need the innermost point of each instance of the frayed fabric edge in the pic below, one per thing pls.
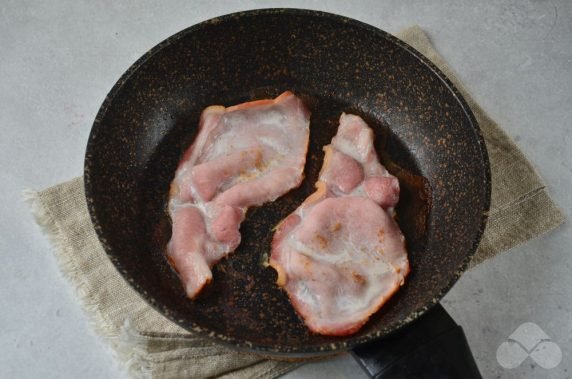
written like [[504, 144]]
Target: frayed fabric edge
[[131, 349], [52, 230], [128, 346], [68, 268]]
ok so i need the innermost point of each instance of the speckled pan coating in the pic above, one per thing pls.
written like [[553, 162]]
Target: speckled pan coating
[[335, 64]]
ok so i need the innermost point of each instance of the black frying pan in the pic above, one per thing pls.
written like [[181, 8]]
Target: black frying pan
[[425, 133]]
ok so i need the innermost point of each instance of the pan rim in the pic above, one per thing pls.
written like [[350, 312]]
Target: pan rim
[[267, 349]]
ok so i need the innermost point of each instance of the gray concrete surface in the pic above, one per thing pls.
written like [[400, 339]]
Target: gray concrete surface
[[59, 59]]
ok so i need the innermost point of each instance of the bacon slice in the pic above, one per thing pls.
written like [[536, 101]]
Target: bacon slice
[[242, 156], [340, 256]]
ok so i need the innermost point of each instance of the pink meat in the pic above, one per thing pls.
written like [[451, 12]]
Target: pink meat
[[340, 256], [243, 156]]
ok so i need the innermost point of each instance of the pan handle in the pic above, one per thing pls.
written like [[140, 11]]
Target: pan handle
[[433, 346]]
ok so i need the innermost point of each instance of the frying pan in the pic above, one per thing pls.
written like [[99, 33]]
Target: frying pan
[[425, 133]]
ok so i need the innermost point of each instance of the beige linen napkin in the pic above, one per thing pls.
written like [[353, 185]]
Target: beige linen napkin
[[152, 346]]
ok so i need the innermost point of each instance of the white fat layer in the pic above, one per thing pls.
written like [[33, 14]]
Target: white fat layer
[[348, 148], [361, 278], [306, 296], [281, 130], [359, 191], [348, 304], [347, 257], [266, 126]]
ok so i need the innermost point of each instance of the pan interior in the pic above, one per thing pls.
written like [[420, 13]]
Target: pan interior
[[424, 134]]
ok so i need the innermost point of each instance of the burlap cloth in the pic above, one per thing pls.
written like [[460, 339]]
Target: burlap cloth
[[152, 346]]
